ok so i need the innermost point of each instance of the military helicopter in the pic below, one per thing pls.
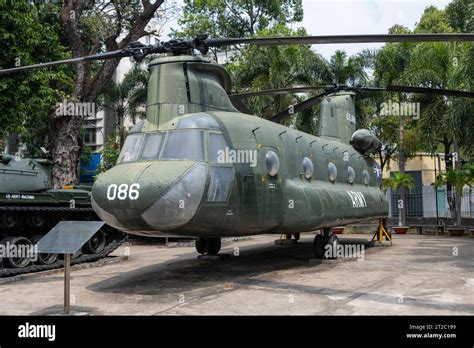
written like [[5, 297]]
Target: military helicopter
[[200, 166]]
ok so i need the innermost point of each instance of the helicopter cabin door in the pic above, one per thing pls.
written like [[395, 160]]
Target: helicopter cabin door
[[269, 186]]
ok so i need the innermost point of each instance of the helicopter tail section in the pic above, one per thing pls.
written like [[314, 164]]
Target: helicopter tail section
[[337, 117]]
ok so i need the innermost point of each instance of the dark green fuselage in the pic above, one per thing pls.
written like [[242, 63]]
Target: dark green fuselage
[[186, 189]]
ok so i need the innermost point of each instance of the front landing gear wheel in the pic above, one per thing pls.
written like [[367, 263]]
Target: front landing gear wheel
[[208, 246], [213, 246], [318, 246], [201, 245]]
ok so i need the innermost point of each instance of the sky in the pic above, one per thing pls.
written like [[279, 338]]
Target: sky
[[339, 17]]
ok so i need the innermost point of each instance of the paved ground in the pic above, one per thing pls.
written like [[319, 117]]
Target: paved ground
[[417, 275]]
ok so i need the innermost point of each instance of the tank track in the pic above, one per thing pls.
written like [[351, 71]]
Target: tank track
[[114, 243]]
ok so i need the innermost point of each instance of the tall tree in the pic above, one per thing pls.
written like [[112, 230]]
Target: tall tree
[[235, 18], [90, 27], [30, 34]]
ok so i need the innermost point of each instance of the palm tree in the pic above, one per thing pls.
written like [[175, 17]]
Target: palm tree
[[260, 68], [348, 70], [396, 182], [126, 98]]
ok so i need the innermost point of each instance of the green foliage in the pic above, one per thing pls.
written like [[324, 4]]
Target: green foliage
[[457, 178], [259, 68], [348, 70], [30, 34], [86, 155], [235, 18], [399, 180], [109, 155], [126, 98]]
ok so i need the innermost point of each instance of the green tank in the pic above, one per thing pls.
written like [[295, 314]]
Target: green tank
[[29, 208]]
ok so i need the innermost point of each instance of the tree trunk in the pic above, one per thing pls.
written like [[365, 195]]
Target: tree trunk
[[449, 187], [401, 162], [65, 149], [458, 190]]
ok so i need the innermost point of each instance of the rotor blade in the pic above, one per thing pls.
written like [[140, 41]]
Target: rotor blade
[[297, 108], [421, 90], [276, 92], [239, 105], [337, 39], [425, 90], [100, 56]]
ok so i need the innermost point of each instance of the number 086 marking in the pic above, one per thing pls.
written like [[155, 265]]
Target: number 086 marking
[[123, 191]]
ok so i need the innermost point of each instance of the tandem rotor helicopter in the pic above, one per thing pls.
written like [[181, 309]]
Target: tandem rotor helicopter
[[200, 166]]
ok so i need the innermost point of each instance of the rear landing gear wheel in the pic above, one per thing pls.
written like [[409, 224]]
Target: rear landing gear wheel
[[318, 246], [327, 250], [334, 243]]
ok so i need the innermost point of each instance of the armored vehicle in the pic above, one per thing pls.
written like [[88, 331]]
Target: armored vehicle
[[29, 208]]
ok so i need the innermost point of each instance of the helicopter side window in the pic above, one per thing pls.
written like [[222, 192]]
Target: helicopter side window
[[130, 148], [188, 144], [217, 148], [221, 178], [152, 146]]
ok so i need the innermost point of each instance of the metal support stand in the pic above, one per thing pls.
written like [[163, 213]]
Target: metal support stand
[[67, 283], [382, 232]]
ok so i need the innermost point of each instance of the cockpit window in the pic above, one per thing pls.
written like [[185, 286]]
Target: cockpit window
[[188, 144], [216, 149], [198, 121], [152, 146], [130, 148]]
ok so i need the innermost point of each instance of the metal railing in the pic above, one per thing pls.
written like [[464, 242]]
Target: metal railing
[[427, 202]]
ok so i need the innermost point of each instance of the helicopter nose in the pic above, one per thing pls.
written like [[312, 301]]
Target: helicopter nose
[[149, 196]]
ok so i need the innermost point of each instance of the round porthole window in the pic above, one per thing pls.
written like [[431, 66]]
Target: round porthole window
[[273, 163], [332, 171], [366, 177], [308, 168], [351, 174]]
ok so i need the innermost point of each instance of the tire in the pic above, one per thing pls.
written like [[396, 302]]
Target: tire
[[17, 262], [37, 220], [213, 246], [96, 244], [334, 243], [201, 245], [10, 220], [318, 246], [43, 259]]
